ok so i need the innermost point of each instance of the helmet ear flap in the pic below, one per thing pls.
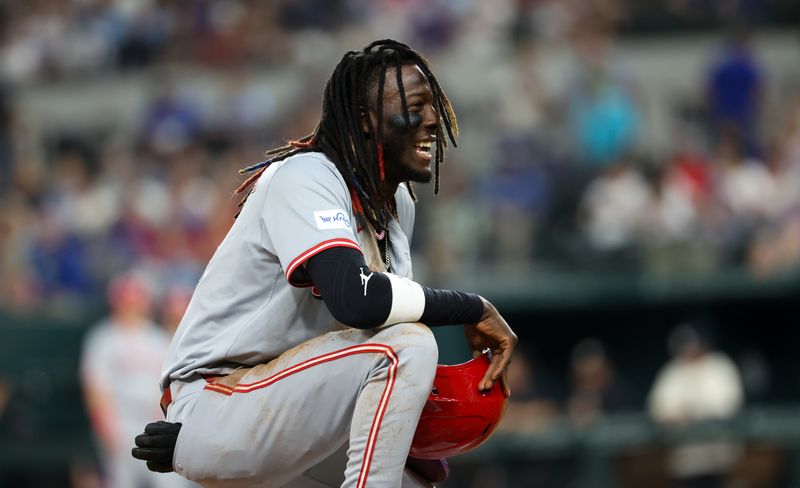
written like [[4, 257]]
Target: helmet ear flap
[[457, 417]]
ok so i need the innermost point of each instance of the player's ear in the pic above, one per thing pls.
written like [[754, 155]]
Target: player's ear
[[364, 121], [367, 116]]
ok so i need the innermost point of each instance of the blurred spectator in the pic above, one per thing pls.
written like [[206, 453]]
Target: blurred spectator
[[612, 208], [247, 108], [545, 20], [698, 385], [776, 247], [745, 184], [671, 215], [756, 375], [517, 193], [673, 221], [120, 368], [734, 91], [436, 24], [532, 410], [171, 123], [604, 116], [532, 406], [689, 166], [747, 193], [173, 307], [18, 285], [80, 202], [135, 235], [222, 28], [58, 259], [457, 214], [597, 390], [141, 30], [775, 250]]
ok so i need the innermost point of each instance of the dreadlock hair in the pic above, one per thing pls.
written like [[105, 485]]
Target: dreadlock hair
[[339, 134]]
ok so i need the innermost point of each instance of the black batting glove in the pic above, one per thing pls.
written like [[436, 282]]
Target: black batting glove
[[157, 445]]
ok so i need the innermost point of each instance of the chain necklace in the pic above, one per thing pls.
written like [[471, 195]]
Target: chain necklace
[[383, 238], [386, 252]]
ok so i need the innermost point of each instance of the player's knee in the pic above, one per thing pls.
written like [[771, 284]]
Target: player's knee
[[416, 346]]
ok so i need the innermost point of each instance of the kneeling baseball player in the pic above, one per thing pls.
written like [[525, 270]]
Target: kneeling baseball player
[[306, 335]]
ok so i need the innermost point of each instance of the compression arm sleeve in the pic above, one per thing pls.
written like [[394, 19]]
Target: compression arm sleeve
[[361, 298]]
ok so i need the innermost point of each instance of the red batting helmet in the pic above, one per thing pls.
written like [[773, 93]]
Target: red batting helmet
[[457, 417]]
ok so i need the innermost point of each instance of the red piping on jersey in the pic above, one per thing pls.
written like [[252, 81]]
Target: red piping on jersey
[[303, 257], [349, 351]]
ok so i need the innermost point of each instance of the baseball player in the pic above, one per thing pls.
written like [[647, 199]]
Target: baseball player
[[120, 365], [306, 333]]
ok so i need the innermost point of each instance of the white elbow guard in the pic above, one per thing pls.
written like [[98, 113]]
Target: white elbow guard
[[408, 300]]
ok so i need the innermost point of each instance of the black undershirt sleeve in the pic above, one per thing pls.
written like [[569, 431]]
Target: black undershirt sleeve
[[361, 298], [447, 307]]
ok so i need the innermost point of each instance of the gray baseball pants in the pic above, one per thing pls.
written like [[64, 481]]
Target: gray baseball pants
[[282, 422]]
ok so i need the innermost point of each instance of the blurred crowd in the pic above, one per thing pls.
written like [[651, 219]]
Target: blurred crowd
[[53, 39], [699, 389], [549, 174]]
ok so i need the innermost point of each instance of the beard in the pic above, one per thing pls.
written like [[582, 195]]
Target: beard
[[416, 175], [396, 147]]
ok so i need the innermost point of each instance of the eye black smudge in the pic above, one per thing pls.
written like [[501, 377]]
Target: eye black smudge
[[398, 122]]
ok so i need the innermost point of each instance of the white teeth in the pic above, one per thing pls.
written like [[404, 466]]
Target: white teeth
[[424, 145]]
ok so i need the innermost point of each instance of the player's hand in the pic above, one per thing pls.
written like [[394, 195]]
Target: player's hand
[[157, 445], [492, 332]]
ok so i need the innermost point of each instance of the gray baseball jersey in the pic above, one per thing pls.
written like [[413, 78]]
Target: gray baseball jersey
[[249, 307], [295, 387]]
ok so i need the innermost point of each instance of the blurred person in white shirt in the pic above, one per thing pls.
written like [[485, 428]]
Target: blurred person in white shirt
[[697, 385]]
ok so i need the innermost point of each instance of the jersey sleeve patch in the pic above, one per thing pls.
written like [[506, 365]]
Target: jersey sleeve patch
[[306, 210], [334, 218]]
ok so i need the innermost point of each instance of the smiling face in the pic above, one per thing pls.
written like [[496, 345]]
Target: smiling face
[[407, 144]]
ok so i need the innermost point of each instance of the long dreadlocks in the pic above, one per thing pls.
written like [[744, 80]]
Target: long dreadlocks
[[339, 134]]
